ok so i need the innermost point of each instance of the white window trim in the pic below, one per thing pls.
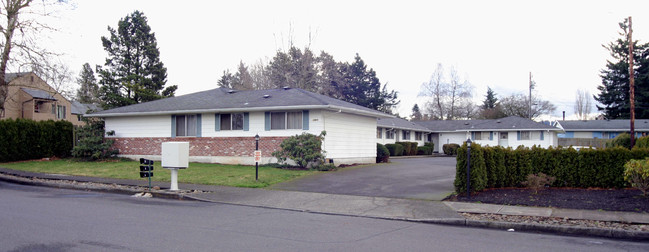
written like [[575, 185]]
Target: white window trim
[[286, 120]]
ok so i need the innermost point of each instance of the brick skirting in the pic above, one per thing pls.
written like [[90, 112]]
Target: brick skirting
[[199, 146]]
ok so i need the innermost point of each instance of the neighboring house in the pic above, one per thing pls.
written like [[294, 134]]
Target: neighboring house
[[595, 133], [30, 97], [79, 109], [509, 131], [602, 129], [220, 125], [391, 130]]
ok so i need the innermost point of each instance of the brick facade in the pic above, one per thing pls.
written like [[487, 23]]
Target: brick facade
[[199, 146]]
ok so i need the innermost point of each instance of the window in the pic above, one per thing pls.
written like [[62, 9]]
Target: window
[[285, 120], [53, 109], [418, 136], [379, 133], [60, 112], [186, 125], [406, 135], [525, 135], [232, 121], [389, 134], [477, 135]]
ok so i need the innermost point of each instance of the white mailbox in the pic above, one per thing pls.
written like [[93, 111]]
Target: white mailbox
[[175, 155]]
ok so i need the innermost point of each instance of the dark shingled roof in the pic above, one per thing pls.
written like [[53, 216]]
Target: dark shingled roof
[[38, 94], [223, 99], [502, 124], [81, 108], [399, 123], [605, 125]]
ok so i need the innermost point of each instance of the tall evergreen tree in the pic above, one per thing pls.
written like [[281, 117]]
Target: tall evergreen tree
[[363, 88], [133, 72], [614, 90], [88, 88], [416, 113], [490, 100]]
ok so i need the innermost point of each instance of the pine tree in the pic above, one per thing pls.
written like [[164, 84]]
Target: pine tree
[[133, 72], [614, 90], [416, 113], [490, 100], [363, 88], [88, 90]]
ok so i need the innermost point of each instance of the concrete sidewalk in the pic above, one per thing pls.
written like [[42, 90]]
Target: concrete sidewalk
[[437, 212]]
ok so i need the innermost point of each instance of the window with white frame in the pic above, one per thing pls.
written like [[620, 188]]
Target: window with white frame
[[285, 120], [232, 121], [406, 135], [186, 125], [418, 136], [60, 112], [389, 134], [525, 135], [379, 133]]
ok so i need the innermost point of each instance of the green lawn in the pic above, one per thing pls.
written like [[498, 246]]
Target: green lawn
[[197, 173]]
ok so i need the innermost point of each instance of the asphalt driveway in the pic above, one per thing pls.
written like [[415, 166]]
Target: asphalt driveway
[[411, 178]]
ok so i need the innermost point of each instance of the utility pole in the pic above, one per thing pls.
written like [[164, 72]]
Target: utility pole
[[631, 84]]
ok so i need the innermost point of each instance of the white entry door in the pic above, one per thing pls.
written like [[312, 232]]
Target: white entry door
[[503, 139]]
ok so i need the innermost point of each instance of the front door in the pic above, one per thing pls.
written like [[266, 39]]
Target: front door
[[502, 139]]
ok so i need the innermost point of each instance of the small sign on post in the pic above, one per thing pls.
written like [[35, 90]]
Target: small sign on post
[[257, 156]]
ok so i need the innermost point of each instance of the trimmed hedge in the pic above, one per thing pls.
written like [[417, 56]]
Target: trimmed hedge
[[450, 149], [382, 153], [424, 150], [507, 167], [23, 139], [478, 169], [409, 148], [395, 149]]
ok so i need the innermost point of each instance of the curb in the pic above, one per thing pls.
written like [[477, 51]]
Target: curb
[[26, 181], [525, 227]]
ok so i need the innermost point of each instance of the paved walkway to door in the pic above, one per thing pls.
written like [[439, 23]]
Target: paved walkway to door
[[410, 178]]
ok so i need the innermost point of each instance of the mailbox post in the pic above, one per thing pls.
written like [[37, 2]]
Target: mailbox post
[[257, 157], [146, 169], [175, 155]]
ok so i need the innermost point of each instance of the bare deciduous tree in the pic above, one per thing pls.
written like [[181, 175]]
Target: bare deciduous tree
[[448, 99], [21, 23], [582, 104], [518, 105]]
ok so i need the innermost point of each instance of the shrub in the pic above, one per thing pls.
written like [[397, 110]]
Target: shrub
[[382, 153], [636, 172], [91, 144], [409, 148], [305, 150], [538, 181], [23, 139], [395, 149], [431, 145], [478, 169], [424, 150], [621, 140], [642, 142], [450, 149]]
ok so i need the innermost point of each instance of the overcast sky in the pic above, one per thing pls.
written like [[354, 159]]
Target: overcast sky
[[491, 43]]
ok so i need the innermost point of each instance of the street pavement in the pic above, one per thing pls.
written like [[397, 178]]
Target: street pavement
[[408, 178], [405, 208], [50, 219]]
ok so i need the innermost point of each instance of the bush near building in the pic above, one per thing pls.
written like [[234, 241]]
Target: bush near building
[[23, 139]]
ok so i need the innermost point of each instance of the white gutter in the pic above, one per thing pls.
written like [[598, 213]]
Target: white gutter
[[255, 109]]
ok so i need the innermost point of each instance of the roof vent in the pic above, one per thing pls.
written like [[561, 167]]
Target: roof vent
[[286, 87], [266, 96], [466, 123], [498, 121], [232, 91]]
